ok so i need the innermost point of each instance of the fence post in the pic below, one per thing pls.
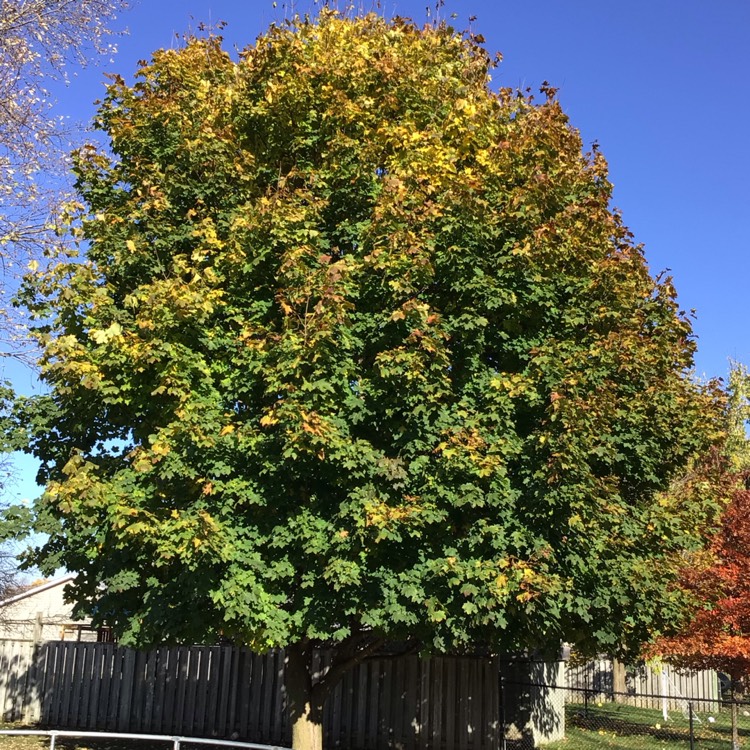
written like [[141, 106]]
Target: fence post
[[735, 730], [692, 733], [502, 705]]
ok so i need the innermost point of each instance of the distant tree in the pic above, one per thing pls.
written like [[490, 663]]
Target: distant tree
[[717, 636], [358, 351], [9, 578], [716, 632], [738, 417], [40, 41]]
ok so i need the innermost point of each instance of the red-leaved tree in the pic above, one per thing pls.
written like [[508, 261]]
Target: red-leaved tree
[[718, 635]]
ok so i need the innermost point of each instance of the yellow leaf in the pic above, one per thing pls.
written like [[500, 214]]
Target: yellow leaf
[[101, 337], [161, 448]]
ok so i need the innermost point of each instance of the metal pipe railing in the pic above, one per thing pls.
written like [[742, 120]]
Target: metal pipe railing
[[176, 740]]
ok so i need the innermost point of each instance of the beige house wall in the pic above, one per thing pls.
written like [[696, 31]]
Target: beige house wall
[[41, 614]]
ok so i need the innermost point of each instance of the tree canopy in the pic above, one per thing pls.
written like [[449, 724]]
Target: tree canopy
[[358, 347]]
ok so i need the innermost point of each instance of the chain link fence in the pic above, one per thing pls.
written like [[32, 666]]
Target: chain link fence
[[615, 720]]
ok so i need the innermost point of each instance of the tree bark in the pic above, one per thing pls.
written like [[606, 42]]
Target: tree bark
[[304, 700]]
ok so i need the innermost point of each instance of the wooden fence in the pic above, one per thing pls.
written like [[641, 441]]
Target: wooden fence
[[410, 703], [440, 703], [18, 682], [644, 686]]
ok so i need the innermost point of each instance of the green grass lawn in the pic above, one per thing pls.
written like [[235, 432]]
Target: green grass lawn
[[594, 727], [619, 727]]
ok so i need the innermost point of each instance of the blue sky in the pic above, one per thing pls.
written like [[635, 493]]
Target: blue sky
[[660, 84]]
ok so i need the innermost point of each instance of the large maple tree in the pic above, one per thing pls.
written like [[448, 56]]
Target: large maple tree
[[358, 350]]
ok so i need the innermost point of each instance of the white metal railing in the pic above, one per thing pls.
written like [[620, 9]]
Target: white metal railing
[[176, 741]]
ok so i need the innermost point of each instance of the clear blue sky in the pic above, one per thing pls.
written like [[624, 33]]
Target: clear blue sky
[[660, 84]]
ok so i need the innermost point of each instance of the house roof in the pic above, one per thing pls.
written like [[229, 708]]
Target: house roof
[[33, 590]]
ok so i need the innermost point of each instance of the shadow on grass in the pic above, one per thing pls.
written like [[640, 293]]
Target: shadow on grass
[[623, 727], [620, 722]]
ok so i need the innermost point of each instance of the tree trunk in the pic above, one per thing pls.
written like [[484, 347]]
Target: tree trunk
[[306, 692], [307, 730], [304, 700], [619, 684]]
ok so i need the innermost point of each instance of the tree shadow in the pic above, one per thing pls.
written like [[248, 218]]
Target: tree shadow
[[19, 682], [533, 702]]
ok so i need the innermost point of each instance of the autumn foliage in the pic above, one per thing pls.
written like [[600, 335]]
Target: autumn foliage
[[718, 634], [358, 345]]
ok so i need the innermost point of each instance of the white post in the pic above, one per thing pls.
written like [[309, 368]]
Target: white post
[[664, 686]]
